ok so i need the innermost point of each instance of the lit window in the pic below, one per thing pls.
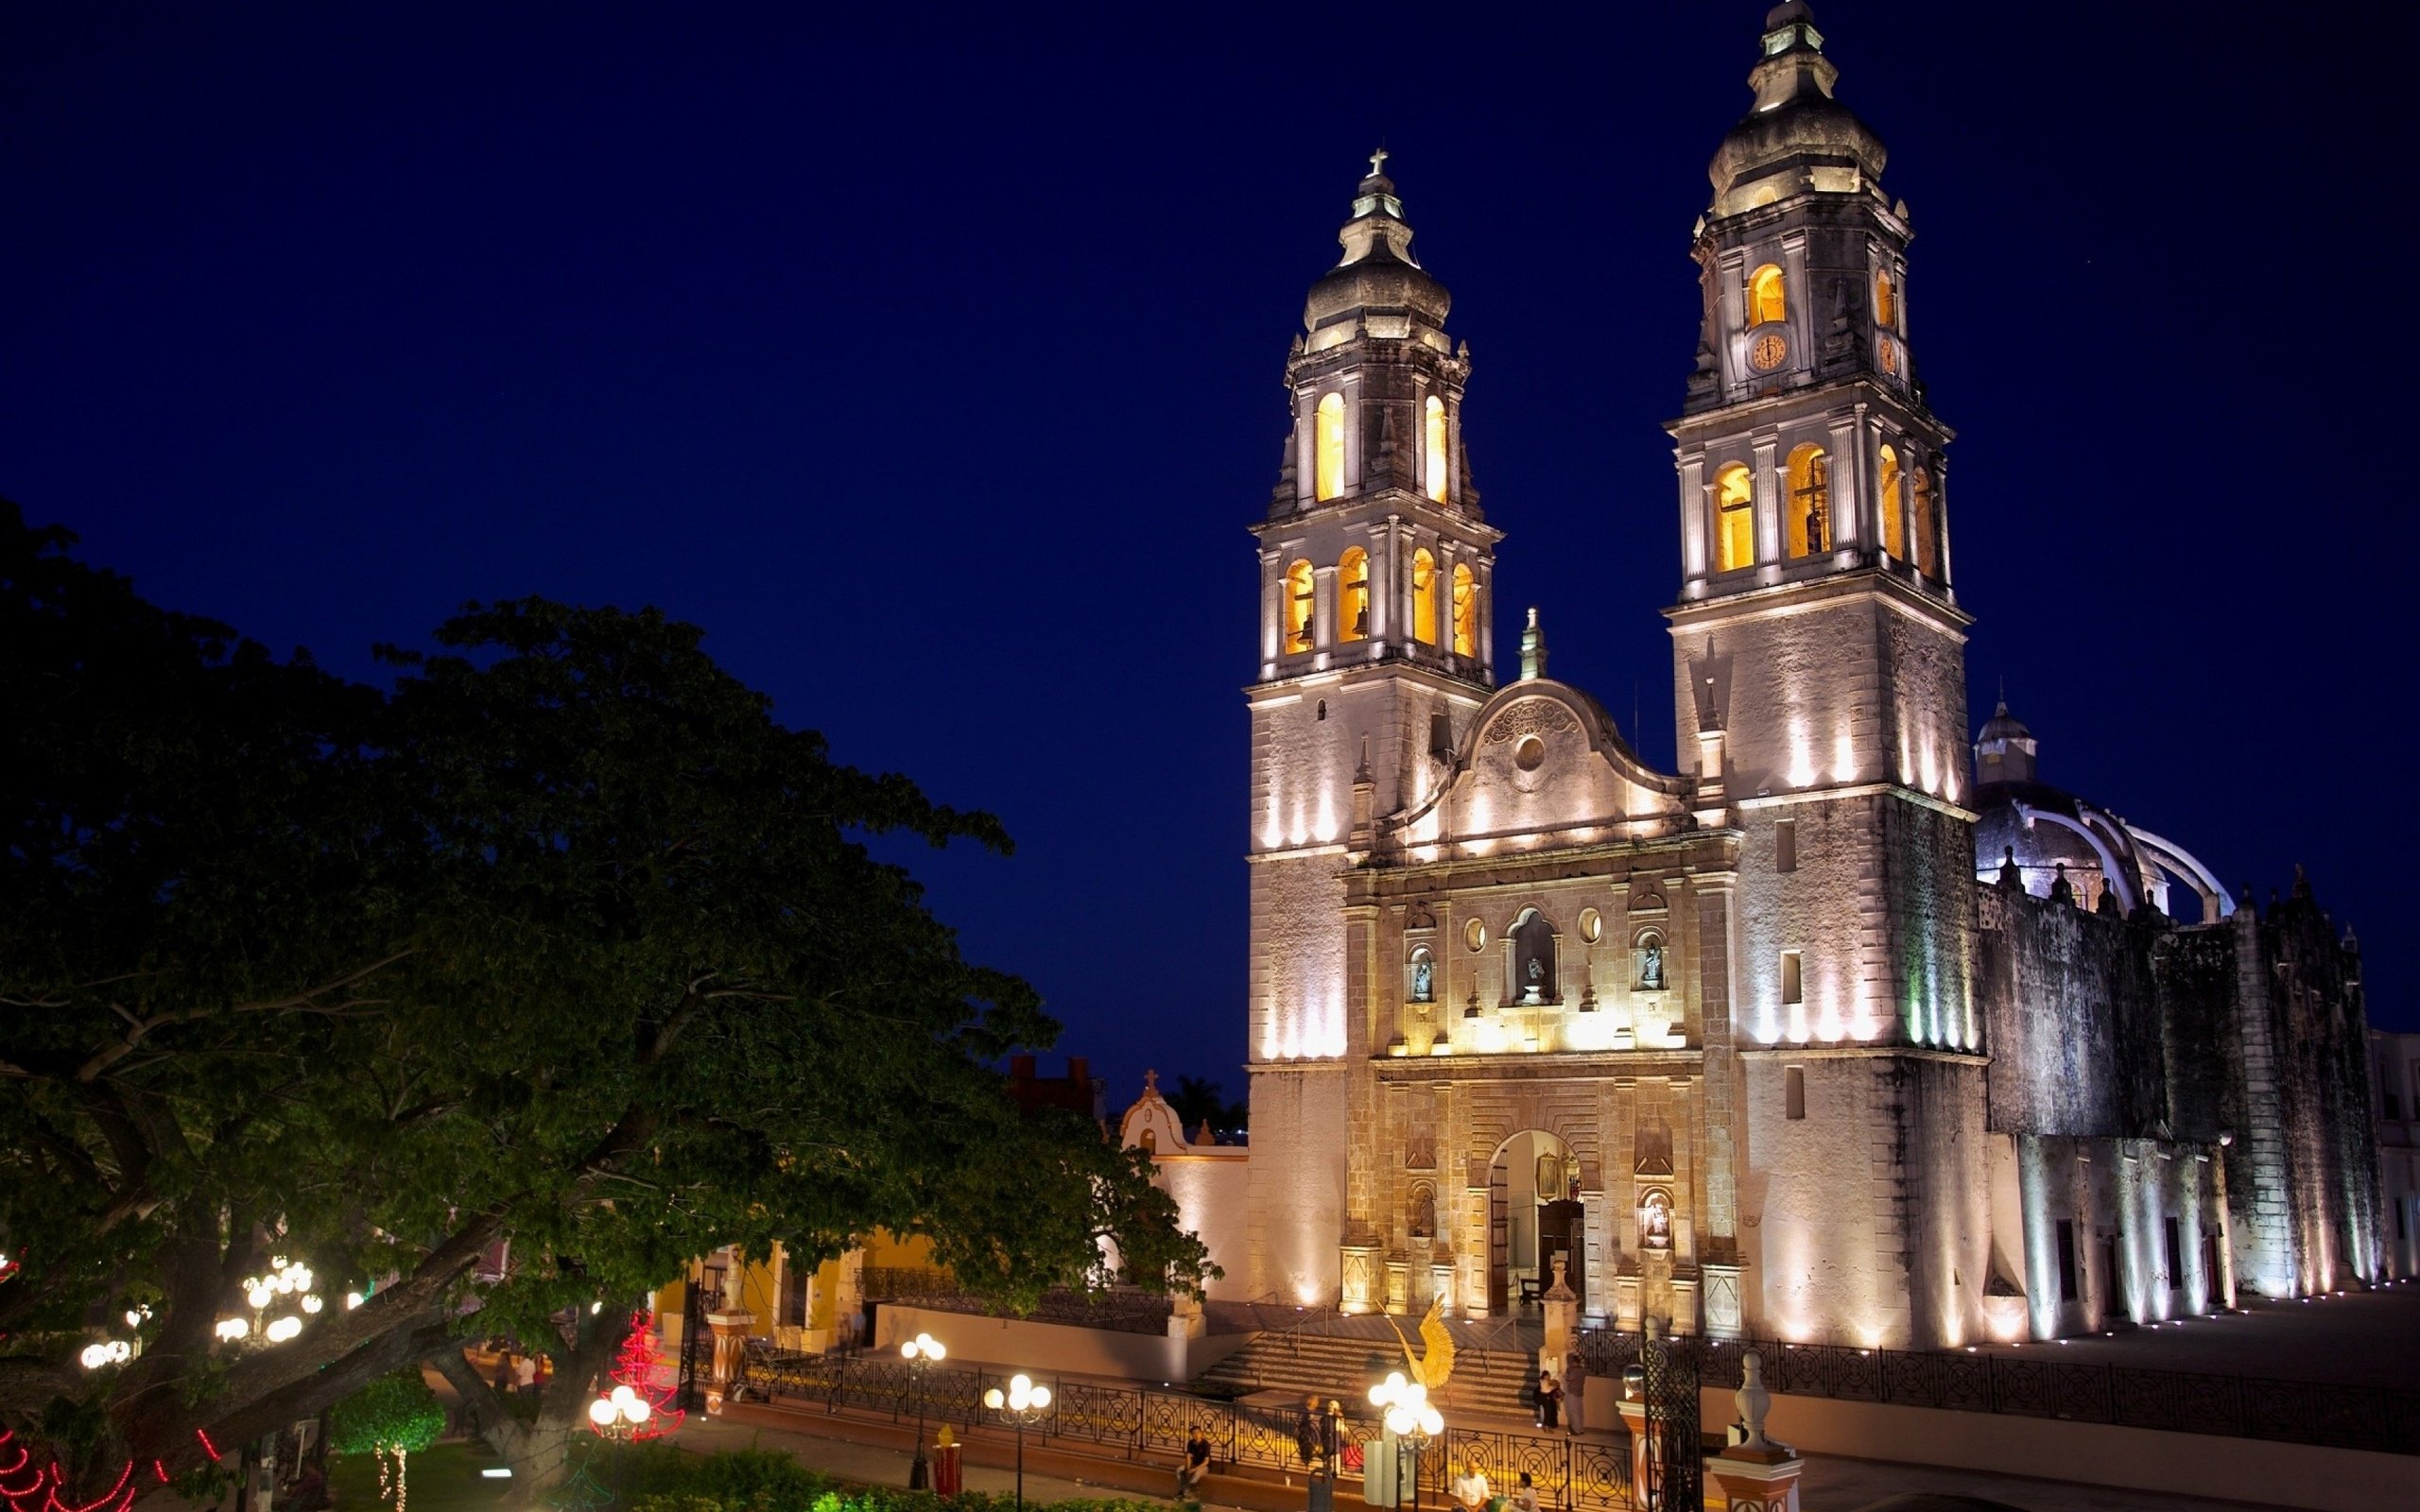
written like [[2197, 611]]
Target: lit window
[[1888, 484], [1810, 501], [1925, 529], [1465, 612], [1300, 589], [1423, 596], [1434, 451], [1764, 304], [1735, 520], [1886, 301], [1353, 602], [1330, 475]]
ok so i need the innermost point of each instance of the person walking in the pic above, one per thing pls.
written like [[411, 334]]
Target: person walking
[[1575, 1386], [1306, 1433]]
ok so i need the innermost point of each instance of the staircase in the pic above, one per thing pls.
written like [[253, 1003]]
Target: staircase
[[1486, 1383]]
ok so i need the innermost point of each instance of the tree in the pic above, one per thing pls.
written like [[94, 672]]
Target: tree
[[561, 939], [1198, 1101], [393, 1415]]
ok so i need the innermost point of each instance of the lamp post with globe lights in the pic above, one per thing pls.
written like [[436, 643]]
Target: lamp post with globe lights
[[1023, 1402], [1409, 1416], [621, 1414], [921, 1352]]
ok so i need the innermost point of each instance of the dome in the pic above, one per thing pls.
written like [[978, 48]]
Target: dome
[[2003, 726], [1379, 274], [1796, 136]]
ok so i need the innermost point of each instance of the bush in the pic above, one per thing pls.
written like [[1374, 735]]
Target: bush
[[391, 1415]]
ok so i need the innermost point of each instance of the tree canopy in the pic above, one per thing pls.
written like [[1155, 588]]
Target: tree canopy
[[561, 939]]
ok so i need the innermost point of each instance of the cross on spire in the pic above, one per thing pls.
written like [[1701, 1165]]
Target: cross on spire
[[1377, 162]]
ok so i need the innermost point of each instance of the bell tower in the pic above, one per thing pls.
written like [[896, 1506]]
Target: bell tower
[[1376, 571], [1819, 673]]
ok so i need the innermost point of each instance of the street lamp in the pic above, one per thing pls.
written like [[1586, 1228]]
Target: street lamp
[[1023, 1402], [920, 1352], [1409, 1416], [619, 1416]]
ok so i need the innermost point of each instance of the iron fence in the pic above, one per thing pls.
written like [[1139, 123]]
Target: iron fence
[[2386, 1419], [1572, 1474]]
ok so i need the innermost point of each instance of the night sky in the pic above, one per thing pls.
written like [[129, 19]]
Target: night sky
[[931, 362]]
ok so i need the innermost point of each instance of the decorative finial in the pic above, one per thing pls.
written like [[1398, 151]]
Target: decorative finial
[[1150, 1083], [1533, 650], [1377, 162], [2003, 693]]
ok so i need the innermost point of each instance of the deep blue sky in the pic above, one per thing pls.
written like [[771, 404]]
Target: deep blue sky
[[931, 362]]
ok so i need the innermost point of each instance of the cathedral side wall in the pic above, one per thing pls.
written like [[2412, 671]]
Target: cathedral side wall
[[1295, 1187], [1817, 1241], [2071, 1017]]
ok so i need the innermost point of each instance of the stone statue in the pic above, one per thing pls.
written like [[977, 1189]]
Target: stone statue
[[1650, 967], [1423, 980], [1655, 1221]]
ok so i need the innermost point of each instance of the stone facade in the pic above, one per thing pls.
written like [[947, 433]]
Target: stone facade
[[1769, 1044]]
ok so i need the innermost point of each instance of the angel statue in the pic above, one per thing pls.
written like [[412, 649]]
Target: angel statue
[[1431, 1368]]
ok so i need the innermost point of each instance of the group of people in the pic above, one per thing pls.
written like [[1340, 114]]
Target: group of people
[[1472, 1493]]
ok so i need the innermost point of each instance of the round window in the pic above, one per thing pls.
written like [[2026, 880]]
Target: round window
[[1531, 754], [1592, 926], [1475, 934]]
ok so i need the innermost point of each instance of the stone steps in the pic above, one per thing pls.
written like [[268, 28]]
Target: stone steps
[[1488, 1381]]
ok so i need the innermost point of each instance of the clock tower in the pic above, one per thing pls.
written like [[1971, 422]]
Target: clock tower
[[1820, 693]]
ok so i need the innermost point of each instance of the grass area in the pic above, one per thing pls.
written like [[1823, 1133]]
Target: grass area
[[444, 1479]]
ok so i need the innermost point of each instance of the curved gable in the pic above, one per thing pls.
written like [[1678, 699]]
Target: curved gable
[[1542, 759]]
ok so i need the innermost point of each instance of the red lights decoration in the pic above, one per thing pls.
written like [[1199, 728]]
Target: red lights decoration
[[635, 1367]]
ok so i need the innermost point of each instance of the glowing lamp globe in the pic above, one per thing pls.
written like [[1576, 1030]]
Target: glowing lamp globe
[[636, 1409], [600, 1412]]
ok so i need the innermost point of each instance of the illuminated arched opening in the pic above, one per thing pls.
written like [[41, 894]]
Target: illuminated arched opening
[[1735, 518], [1423, 596], [1889, 483], [1329, 475], [1810, 502], [1433, 447], [1465, 611], [1301, 590], [1886, 301], [1925, 549], [1765, 301], [1353, 595], [1420, 976]]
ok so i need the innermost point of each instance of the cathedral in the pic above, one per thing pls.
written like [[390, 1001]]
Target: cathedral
[[1851, 1029]]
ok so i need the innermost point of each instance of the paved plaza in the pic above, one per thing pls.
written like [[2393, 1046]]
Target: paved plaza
[[2360, 1338]]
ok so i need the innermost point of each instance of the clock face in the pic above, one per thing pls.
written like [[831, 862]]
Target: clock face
[[1766, 354]]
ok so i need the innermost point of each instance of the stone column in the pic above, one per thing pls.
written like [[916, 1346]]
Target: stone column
[[731, 1341], [1561, 1306], [1633, 1408], [1755, 1475]]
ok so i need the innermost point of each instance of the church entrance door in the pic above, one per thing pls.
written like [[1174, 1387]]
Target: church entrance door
[[1532, 1216]]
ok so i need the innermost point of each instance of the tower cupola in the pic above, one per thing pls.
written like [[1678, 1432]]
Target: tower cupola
[[1378, 284], [1795, 136], [2005, 750]]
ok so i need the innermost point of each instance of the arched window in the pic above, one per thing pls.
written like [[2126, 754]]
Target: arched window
[[1465, 611], [1888, 484], [1810, 502], [1765, 302], [1353, 595], [1923, 550], [1886, 301], [1420, 976], [1735, 520], [1533, 969], [1423, 596], [1433, 447], [1301, 588], [1329, 476]]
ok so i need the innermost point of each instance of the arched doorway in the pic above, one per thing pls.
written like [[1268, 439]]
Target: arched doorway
[[1533, 1214]]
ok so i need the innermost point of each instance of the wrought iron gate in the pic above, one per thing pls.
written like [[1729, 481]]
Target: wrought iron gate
[[694, 1345], [1675, 1453]]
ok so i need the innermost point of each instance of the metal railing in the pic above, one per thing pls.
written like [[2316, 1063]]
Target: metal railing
[[2385, 1419], [1571, 1473]]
